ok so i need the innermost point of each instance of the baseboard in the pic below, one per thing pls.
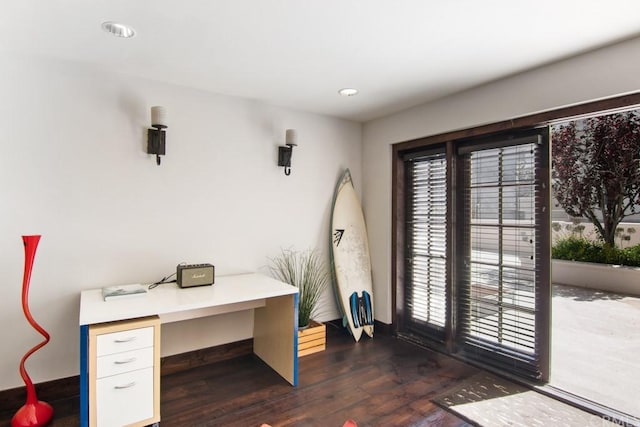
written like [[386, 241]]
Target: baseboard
[[205, 356], [47, 391], [385, 329], [380, 328], [69, 388]]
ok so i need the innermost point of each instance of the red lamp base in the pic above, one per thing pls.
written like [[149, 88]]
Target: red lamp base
[[33, 415]]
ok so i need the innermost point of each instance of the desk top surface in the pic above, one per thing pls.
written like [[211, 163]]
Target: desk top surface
[[169, 298]]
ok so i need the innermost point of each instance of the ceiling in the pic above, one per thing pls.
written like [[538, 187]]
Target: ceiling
[[298, 53]]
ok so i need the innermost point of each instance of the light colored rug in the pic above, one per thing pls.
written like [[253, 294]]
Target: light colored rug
[[490, 401]]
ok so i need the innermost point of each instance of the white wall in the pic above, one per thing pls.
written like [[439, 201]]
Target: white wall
[[604, 73], [73, 168]]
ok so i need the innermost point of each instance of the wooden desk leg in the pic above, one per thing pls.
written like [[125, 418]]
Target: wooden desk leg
[[275, 335], [84, 376]]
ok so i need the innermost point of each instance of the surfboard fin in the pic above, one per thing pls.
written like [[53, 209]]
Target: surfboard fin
[[353, 305], [360, 309], [368, 308]]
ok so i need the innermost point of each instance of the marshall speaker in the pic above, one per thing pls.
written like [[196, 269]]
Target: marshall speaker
[[191, 275]]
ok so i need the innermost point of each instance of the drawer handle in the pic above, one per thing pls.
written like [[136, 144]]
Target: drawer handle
[[121, 340], [120, 387], [122, 362]]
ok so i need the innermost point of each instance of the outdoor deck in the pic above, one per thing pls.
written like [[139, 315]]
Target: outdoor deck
[[595, 346]]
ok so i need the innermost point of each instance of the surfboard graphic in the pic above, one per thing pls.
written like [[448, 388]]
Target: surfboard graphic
[[350, 259]]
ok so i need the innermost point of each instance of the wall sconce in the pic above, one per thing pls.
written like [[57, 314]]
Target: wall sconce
[[284, 151], [156, 136]]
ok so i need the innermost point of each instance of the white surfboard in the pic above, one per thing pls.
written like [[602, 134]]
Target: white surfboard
[[350, 258]]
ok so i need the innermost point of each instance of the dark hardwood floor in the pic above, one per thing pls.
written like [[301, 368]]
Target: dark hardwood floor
[[379, 382]]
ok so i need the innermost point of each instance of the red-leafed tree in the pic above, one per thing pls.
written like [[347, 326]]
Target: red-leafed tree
[[596, 169]]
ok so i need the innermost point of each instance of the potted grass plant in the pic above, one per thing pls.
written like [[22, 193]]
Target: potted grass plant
[[307, 272]]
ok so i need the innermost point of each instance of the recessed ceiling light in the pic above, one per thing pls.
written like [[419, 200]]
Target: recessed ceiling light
[[348, 91], [118, 30]]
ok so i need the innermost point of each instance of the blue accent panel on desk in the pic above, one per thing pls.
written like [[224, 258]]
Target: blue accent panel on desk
[[84, 375], [296, 298]]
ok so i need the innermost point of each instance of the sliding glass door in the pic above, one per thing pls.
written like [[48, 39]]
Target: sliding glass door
[[503, 288], [490, 300]]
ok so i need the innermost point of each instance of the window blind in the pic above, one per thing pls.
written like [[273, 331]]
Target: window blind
[[502, 277], [426, 236]]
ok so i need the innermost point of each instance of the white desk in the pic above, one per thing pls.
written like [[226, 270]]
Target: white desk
[[275, 331]]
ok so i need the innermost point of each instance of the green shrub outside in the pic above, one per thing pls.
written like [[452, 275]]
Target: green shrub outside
[[580, 249]]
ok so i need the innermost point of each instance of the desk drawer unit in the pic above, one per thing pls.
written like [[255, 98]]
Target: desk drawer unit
[[124, 373]]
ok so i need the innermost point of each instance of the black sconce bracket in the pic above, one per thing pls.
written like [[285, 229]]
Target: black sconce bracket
[[156, 142], [284, 157]]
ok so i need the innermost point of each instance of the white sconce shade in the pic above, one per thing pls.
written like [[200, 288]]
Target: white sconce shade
[[158, 116], [291, 137]]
